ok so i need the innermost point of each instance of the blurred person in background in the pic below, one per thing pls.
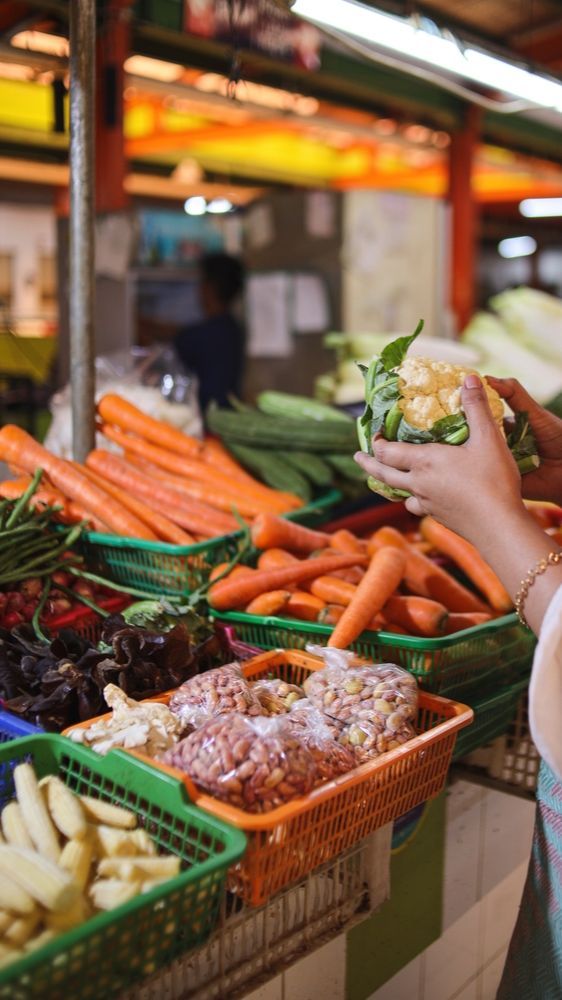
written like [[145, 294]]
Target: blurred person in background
[[213, 348]]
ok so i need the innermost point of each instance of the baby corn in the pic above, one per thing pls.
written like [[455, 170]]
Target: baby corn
[[35, 813]]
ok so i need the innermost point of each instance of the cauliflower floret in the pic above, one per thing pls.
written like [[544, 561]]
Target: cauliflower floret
[[422, 411], [431, 390]]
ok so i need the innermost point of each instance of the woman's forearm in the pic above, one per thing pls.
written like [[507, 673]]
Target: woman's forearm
[[513, 544]]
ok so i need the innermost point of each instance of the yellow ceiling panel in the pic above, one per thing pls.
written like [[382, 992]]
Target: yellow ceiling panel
[[26, 105]]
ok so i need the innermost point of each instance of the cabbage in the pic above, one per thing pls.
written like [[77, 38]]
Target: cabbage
[[534, 318]]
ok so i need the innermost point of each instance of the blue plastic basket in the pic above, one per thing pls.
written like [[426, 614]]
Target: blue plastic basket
[[12, 727]]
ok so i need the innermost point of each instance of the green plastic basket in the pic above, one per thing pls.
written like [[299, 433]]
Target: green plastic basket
[[161, 568], [472, 661], [492, 718], [113, 950]]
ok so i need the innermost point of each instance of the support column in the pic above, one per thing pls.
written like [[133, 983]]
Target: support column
[[464, 215], [81, 225]]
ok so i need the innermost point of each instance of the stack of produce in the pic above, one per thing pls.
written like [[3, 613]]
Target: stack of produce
[[57, 684], [65, 858], [292, 443], [259, 744], [200, 487], [389, 581]]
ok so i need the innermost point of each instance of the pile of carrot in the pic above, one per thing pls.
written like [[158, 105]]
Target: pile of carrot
[[163, 485], [388, 581]]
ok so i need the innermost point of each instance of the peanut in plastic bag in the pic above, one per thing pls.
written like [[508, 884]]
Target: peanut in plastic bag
[[276, 696], [215, 692], [320, 735], [372, 738], [348, 688], [256, 764]]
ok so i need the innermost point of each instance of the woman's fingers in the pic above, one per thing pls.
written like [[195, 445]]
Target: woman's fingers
[[514, 394], [378, 470], [414, 506], [396, 454], [475, 405]]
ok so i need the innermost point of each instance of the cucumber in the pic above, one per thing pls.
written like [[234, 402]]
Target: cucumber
[[272, 469], [347, 467], [262, 430], [285, 404], [309, 465]]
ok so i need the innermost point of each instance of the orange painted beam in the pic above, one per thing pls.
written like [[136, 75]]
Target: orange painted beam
[[462, 199], [112, 48], [165, 142]]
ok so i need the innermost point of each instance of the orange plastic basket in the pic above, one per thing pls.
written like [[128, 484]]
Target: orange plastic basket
[[287, 843]]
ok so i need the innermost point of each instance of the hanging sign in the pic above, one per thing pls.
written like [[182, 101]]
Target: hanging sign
[[255, 24]]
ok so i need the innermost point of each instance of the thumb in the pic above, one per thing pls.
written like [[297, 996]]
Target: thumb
[[475, 405]]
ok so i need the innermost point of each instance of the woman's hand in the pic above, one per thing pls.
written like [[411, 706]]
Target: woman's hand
[[544, 483], [467, 486]]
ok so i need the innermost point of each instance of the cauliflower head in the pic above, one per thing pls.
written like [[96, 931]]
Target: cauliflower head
[[431, 390], [419, 400]]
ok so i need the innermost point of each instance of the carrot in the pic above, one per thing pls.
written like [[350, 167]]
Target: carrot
[[458, 621], [345, 541], [269, 603], [228, 593], [272, 558], [188, 513], [269, 531], [17, 445], [331, 614], [468, 558], [237, 570], [192, 469], [45, 495], [75, 512], [353, 574], [419, 615], [333, 590], [425, 578], [114, 409], [164, 528], [381, 624], [304, 606], [383, 575]]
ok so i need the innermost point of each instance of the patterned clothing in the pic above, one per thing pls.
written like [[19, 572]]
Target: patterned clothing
[[533, 969]]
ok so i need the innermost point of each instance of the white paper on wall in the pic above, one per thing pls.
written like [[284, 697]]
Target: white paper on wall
[[114, 245], [311, 309], [260, 229], [268, 318], [320, 214]]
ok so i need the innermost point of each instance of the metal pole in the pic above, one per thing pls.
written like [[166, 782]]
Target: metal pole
[[81, 233]]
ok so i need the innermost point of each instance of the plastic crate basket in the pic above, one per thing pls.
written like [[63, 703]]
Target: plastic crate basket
[[13, 728], [161, 568], [492, 718], [287, 843], [477, 659], [112, 950]]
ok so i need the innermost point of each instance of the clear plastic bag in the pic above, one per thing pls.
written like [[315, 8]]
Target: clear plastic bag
[[276, 696], [215, 692], [320, 735], [371, 738], [349, 690], [256, 764], [152, 378]]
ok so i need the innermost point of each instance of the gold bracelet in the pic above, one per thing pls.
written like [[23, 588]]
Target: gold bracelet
[[527, 582]]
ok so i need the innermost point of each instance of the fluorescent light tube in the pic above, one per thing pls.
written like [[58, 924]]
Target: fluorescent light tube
[[517, 246], [401, 36], [540, 208]]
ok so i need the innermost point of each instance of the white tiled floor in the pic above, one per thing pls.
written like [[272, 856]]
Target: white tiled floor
[[487, 850], [320, 976]]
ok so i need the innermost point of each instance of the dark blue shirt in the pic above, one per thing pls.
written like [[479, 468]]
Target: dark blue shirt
[[214, 350]]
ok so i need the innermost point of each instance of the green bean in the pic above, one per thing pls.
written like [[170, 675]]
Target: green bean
[[39, 611], [23, 502]]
